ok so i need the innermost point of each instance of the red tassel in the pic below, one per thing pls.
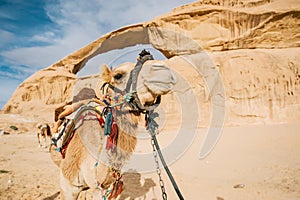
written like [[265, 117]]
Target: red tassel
[[114, 130], [117, 190], [112, 139], [101, 120], [109, 143]]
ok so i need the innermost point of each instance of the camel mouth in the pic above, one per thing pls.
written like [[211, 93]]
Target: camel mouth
[[159, 78], [159, 88]]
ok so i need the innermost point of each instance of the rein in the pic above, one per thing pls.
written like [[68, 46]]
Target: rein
[[152, 128], [131, 98]]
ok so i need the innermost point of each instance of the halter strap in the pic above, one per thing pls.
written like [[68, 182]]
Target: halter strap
[[132, 81], [111, 87], [131, 86]]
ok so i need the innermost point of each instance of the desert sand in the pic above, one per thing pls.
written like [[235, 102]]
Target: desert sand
[[248, 162], [254, 44]]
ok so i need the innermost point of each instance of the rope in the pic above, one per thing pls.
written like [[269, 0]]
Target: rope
[[176, 188], [152, 128]]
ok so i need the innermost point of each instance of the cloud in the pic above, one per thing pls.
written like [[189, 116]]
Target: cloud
[[77, 23], [7, 87], [6, 37], [74, 24], [36, 57], [46, 37]]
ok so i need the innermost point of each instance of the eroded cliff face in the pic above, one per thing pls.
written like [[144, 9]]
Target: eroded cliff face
[[228, 25], [42, 89], [261, 87], [253, 44]]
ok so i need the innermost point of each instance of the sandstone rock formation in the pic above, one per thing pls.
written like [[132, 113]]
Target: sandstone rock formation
[[254, 44]]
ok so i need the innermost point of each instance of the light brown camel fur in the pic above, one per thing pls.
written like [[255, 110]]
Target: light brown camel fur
[[77, 169]]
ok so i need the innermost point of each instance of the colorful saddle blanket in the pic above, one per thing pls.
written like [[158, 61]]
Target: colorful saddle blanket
[[76, 120]]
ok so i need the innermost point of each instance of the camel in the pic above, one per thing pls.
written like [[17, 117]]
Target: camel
[[42, 133], [83, 166]]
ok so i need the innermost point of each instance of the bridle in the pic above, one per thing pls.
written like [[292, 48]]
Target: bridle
[[130, 93], [131, 98]]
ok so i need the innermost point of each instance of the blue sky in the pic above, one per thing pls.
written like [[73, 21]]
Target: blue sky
[[37, 33]]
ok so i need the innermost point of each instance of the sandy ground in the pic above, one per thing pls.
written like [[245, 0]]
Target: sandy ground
[[255, 162]]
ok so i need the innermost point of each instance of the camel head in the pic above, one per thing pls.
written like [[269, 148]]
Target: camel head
[[154, 79]]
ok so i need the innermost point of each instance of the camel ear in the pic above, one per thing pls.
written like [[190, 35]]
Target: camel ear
[[105, 73]]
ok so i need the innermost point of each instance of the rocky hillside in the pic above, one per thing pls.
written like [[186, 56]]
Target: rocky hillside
[[253, 45]]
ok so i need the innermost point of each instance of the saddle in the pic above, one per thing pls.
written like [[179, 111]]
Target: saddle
[[89, 111]]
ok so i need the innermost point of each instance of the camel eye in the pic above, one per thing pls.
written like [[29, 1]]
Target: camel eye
[[118, 76]]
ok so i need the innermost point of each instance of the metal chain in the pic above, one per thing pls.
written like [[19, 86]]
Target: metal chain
[[161, 182]]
